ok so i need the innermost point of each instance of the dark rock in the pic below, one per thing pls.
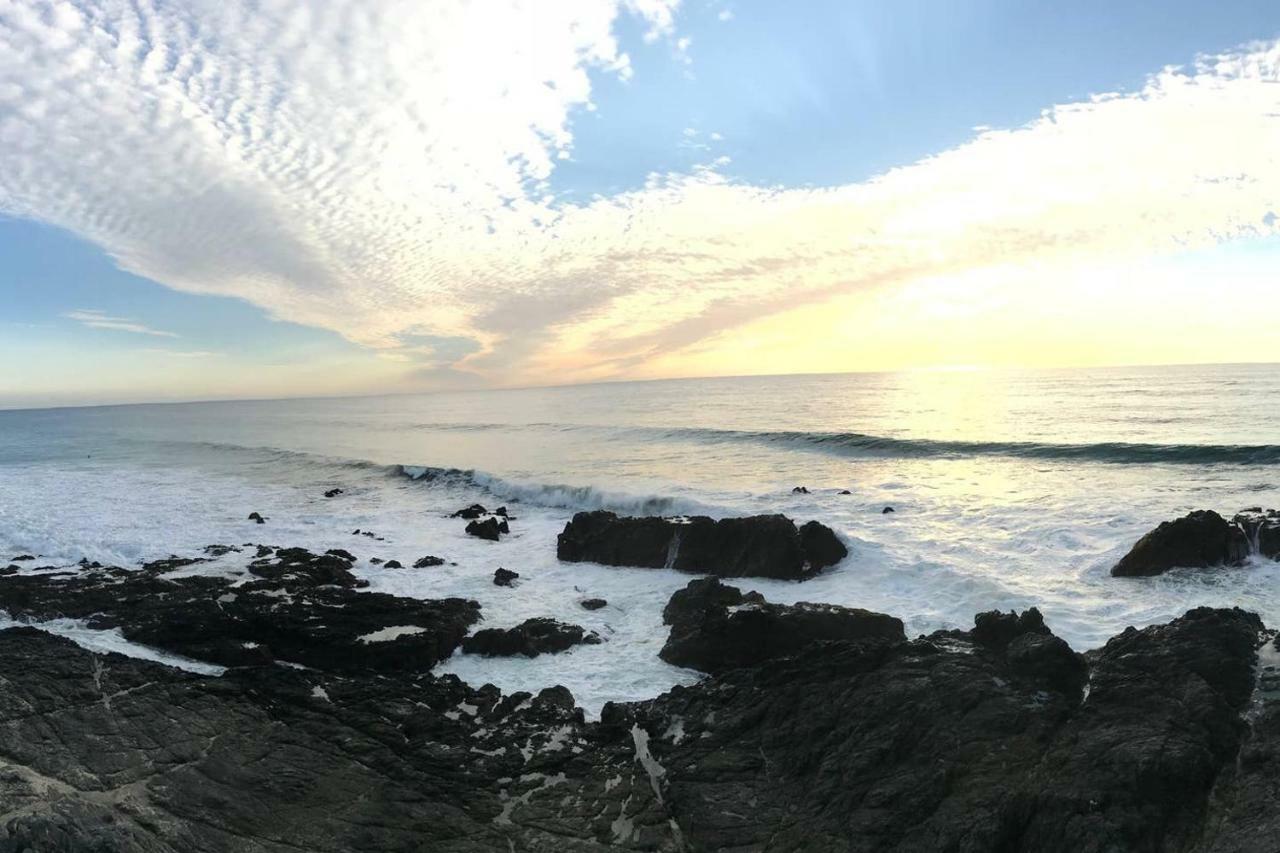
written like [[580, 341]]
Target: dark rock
[[427, 562], [1261, 530], [253, 516], [11, 569], [298, 566], [489, 529], [264, 551], [715, 627], [949, 742], [845, 492], [23, 558], [593, 603], [393, 564], [471, 512], [502, 511], [221, 550], [1201, 539], [530, 638], [758, 546], [799, 490], [303, 608], [169, 564], [886, 510], [333, 493], [504, 577], [339, 552], [377, 561]]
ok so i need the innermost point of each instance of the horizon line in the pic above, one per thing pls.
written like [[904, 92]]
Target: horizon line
[[977, 368]]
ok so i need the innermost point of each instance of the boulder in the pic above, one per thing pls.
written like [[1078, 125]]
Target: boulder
[[530, 638], [333, 493], [255, 516], [593, 603], [393, 564], [1201, 539], [491, 528], [427, 562], [715, 627], [758, 546], [504, 577], [886, 510], [470, 512]]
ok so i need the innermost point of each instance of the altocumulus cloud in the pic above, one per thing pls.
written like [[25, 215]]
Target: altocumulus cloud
[[380, 169]]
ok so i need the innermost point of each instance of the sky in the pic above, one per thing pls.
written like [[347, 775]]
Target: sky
[[218, 198]]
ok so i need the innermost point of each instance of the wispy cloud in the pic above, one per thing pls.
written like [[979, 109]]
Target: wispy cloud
[[172, 353], [98, 320], [382, 169]]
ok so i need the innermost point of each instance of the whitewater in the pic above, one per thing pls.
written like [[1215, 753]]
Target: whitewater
[[1010, 490]]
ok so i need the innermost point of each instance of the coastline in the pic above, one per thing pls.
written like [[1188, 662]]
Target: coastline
[[819, 727]]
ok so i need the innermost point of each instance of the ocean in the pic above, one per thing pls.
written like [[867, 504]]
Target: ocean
[[1010, 489]]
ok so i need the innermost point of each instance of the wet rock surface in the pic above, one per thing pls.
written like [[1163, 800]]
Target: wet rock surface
[[996, 738], [296, 606], [530, 638], [1203, 539], [768, 546], [491, 528], [715, 627]]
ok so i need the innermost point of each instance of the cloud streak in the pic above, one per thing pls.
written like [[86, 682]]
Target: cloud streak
[[98, 320], [382, 170]]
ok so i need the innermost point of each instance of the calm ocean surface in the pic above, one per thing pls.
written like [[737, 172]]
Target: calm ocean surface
[[1011, 489]]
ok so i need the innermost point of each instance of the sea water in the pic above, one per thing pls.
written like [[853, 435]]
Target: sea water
[[1009, 489]]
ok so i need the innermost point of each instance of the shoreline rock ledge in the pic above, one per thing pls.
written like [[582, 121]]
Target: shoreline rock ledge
[[762, 546], [996, 738]]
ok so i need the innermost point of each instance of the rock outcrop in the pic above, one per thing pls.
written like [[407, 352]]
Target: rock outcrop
[[1199, 540], [715, 627], [530, 638], [491, 528], [766, 546], [299, 608]]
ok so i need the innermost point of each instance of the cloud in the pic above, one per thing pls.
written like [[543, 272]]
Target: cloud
[[382, 170], [171, 353], [98, 320]]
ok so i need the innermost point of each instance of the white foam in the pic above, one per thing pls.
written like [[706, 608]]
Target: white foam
[[385, 635]]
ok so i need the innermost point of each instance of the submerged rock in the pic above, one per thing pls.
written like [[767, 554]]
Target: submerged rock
[[393, 564], [504, 577], [333, 493], [427, 562], [758, 546], [1198, 540], [255, 516], [593, 603], [715, 627], [530, 638]]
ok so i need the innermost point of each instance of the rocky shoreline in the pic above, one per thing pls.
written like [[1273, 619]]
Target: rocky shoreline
[[817, 728]]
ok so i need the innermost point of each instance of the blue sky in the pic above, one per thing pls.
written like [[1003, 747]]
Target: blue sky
[[166, 242]]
